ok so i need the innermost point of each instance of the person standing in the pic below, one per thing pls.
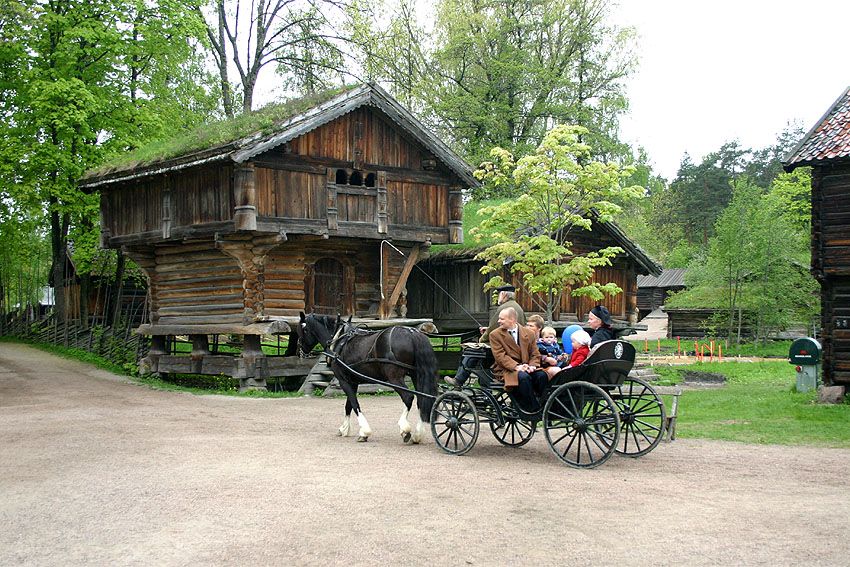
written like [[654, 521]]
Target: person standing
[[599, 319], [517, 360], [507, 298]]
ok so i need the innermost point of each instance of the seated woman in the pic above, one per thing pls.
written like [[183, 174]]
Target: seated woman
[[552, 357], [581, 348]]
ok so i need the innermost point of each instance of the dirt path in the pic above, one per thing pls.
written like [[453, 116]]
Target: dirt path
[[96, 470]]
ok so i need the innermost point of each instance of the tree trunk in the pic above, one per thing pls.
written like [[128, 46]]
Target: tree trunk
[[85, 287]]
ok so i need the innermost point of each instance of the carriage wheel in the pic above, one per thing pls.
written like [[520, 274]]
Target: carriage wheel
[[516, 432], [641, 417], [454, 422], [582, 424]]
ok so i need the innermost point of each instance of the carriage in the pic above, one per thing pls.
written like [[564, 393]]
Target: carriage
[[588, 412]]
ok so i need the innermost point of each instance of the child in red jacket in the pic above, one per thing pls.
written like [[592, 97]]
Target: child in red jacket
[[580, 340]]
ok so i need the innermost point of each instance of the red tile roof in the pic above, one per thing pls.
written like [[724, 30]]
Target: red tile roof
[[828, 140]]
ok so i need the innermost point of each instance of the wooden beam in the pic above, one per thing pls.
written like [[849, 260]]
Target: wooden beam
[[402, 279], [383, 311]]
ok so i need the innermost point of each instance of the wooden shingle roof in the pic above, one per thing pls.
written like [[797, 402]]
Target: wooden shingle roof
[[827, 141]]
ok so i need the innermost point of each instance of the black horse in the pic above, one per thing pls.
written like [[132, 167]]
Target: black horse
[[387, 355]]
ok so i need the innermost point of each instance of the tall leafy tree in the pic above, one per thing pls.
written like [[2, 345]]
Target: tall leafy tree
[[87, 76], [504, 72], [300, 38], [562, 189]]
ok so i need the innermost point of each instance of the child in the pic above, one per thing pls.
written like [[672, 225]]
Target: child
[[581, 342], [550, 352]]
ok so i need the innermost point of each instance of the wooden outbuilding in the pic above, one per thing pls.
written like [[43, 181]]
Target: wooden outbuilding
[[323, 208], [653, 290], [826, 149], [456, 270]]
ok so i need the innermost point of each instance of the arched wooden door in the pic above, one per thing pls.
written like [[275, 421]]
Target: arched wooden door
[[327, 295]]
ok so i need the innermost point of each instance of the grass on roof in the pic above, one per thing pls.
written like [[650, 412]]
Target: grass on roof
[[262, 121]]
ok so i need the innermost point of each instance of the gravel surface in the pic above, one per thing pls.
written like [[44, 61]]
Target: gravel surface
[[97, 470]]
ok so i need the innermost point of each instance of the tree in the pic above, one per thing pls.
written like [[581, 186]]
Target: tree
[[503, 72], [756, 266], [85, 85], [298, 37], [562, 189]]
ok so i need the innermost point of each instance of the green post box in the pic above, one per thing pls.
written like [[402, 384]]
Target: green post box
[[806, 353]]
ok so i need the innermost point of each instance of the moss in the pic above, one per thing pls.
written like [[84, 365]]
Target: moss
[[261, 122]]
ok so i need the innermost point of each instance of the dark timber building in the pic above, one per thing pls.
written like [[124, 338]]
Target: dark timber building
[[826, 149]]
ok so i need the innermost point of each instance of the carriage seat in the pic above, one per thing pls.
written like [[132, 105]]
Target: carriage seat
[[608, 363]]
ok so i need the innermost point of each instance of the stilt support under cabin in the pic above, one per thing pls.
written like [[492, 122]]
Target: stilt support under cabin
[[252, 366]]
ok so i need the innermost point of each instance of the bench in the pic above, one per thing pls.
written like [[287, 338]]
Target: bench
[[670, 421]]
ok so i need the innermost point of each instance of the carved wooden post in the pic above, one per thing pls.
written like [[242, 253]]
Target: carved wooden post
[[333, 211], [456, 215], [244, 191], [251, 255], [200, 349], [254, 357], [381, 205], [358, 144], [166, 208]]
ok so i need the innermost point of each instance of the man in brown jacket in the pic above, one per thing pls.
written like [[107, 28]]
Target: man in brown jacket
[[518, 360]]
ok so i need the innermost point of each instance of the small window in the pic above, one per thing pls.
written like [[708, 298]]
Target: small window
[[341, 177], [370, 180], [356, 179]]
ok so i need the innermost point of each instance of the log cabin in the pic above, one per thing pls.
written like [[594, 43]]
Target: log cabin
[[653, 290], [826, 149], [457, 271], [324, 207]]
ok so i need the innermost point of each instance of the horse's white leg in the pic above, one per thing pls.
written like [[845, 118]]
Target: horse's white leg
[[419, 432], [404, 426], [345, 428], [365, 430]]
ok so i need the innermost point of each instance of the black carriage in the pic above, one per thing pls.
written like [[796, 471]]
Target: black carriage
[[588, 413]]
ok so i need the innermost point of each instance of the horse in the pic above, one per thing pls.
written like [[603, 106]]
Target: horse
[[387, 355]]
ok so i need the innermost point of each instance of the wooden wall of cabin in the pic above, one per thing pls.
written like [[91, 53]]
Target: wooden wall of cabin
[[292, 182], [290, 276], [194, 283], [463, 280], [192, 196], [831, 263]]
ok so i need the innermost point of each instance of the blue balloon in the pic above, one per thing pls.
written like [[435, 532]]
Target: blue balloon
[[565, 337]]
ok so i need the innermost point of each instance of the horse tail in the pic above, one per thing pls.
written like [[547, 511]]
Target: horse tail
[[426, 375]]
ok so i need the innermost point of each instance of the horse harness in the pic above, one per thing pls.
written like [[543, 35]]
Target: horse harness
[[339, 341]]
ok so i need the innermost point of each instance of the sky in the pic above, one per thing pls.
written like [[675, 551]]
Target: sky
[[712, 71], [719, 70]]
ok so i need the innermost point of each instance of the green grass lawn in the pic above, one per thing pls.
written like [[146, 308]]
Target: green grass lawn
[[758, 405]]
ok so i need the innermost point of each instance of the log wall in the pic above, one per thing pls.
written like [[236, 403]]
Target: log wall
[[831, 265], [195, 284]]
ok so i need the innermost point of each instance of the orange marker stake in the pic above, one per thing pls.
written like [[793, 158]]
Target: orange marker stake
[[696, 350], [645, 345], [659, 345], [678, 347], [719, 352], [712, 351]]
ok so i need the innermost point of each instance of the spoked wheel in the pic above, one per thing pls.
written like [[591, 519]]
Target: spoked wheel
[[516, 432], [641, 417], [454, 422], [582, 424]]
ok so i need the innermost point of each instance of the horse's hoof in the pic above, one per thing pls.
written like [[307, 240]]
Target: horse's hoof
[[405, 437], [362, 439]]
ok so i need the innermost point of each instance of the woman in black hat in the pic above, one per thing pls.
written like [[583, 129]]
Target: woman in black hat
[[599, 319]]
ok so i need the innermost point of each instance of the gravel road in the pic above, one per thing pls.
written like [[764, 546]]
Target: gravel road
[[98, 470]]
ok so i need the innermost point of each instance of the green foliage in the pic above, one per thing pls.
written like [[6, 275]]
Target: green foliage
[[561, 190], [756, 263], [501, 72], [759, 405]]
